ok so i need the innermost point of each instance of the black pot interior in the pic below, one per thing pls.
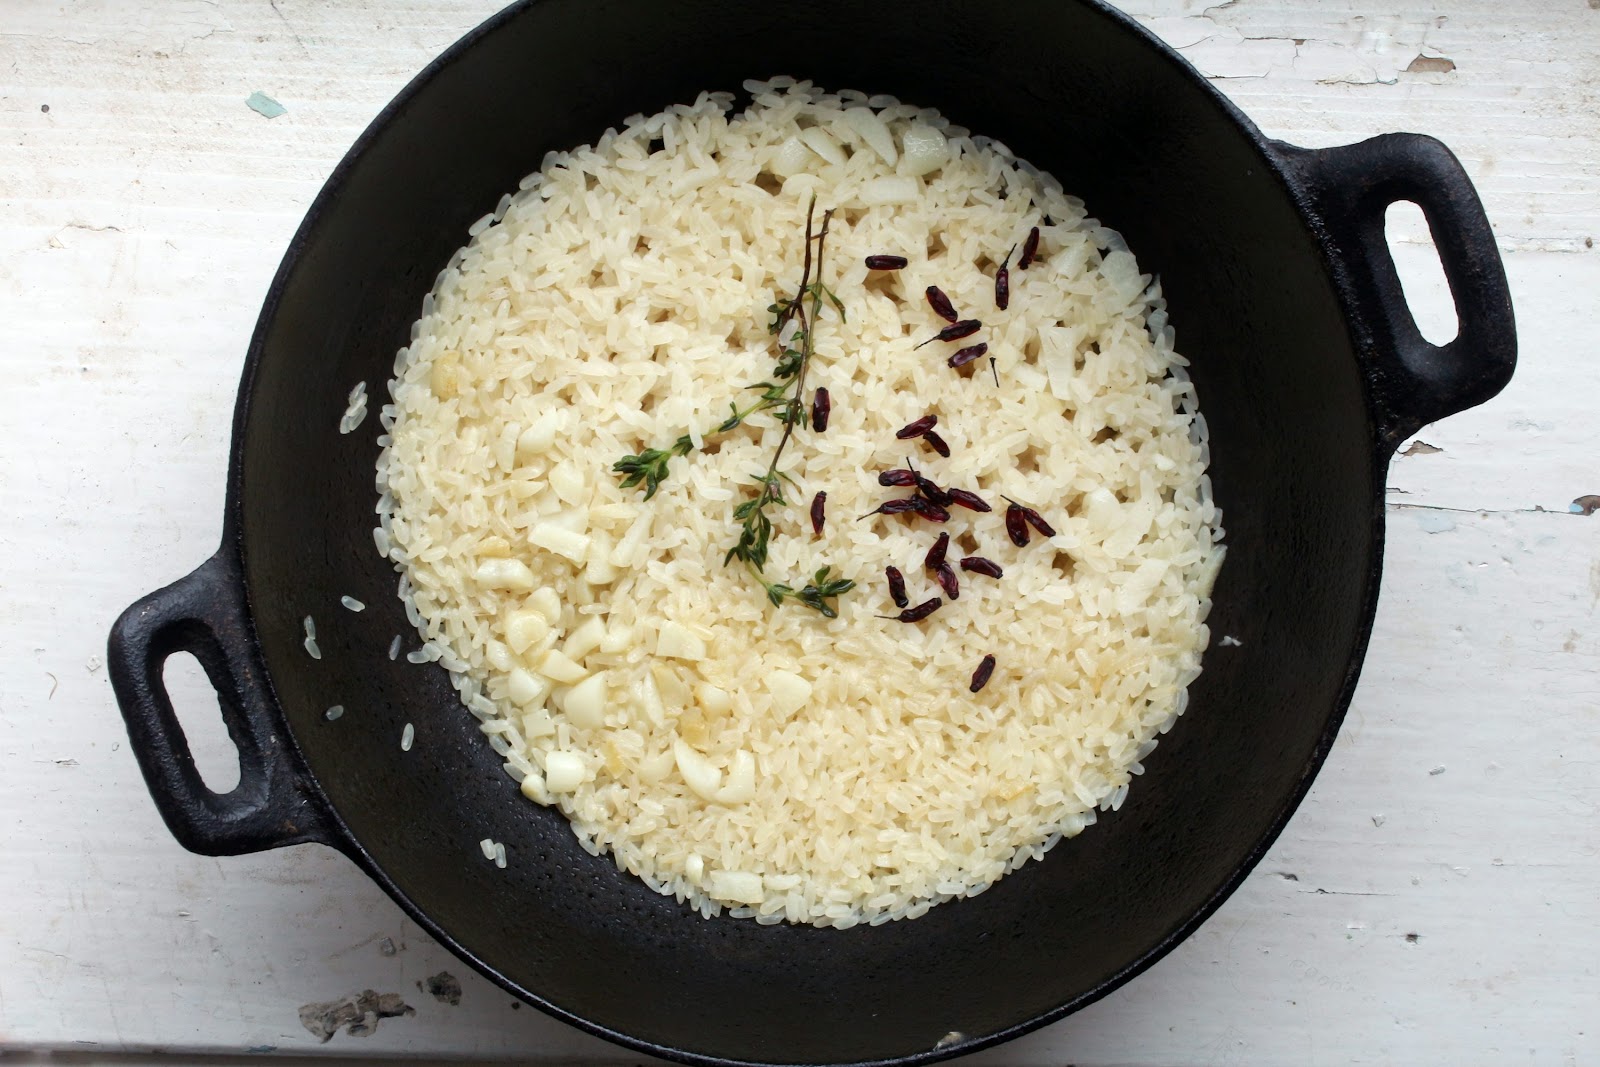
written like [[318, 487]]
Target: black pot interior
[[1155, 154]]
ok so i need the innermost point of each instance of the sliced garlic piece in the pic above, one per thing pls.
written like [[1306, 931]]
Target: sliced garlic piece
[[510, 574], [701, 777], [563, 771]]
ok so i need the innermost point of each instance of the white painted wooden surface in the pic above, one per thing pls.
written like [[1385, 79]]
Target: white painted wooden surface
[[141, 217]]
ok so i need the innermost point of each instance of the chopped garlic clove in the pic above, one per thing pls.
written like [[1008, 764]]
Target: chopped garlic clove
[[524, 689], [617, 639], [585, 639], [874, 131], [822, 143], [656, 767], [510, 574], [498, 655], [558, 668], [694, 868], [539, 436], [538, 723], [702, 778], [563, 771], [585, 703], [678, 642], [926, 150], [568, 482], [714, 701], [789, 691], [546, 603], [533, 788], [560, 540], [525, 628], [741, 785], [792, 157]]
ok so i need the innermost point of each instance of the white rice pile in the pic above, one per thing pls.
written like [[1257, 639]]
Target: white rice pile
[[769, 760]]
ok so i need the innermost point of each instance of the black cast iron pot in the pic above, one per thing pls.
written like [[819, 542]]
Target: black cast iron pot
[[1309, 369]]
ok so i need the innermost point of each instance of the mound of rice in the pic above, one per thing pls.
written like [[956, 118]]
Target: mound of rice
[[769, 760]]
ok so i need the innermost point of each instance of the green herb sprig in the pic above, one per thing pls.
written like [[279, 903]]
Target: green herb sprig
[[794, 362], [784, 392]]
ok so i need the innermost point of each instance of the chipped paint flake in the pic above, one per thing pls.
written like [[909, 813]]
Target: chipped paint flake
[[1422, 448], [264, 105]]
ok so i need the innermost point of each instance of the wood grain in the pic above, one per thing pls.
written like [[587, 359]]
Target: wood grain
[[1433, 900]]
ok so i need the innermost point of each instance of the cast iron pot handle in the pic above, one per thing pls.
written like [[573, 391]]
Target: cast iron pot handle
[[1413, 382], [205, 614]]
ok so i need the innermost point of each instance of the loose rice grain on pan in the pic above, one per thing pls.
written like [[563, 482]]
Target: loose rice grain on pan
[[768, 761]]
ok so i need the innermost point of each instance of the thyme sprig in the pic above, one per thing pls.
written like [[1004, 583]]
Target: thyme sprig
[[783, 393], [788, 391]]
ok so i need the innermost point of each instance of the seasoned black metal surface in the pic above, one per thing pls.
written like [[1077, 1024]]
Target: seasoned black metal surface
[[1305, 372]]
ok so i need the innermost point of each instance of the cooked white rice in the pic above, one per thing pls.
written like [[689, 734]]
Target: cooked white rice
[[770, 761]]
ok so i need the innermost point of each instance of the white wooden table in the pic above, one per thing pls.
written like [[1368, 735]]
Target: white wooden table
[[1436, 899]]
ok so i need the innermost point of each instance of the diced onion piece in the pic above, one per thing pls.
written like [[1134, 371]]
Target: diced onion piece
[[702, 778], [874, 131], [739, 886], [523, 688], [714, 701], [741, 785], [524, 629], [546, 603], [510, 574], [560, 540], [822, 143], [1121, 272], [889, 190], [558, 668], [585, 703], [925, 148], [789, 691], [563, 771], [1137, 517], [792, 157], [678, 642], [585, 639]]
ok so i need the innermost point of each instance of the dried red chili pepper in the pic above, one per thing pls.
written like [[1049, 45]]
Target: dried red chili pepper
[[886, 262], [941, 304], [970, 501], [918, 613], [818, 503], [1030, 248], [967, 355], [916, 428], [937, 443], [897, 586], [1002, 283], [978, 565], [821, 407], [935, 557], [955, 331], [1017, 526], [980, 677], [946, 575]]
